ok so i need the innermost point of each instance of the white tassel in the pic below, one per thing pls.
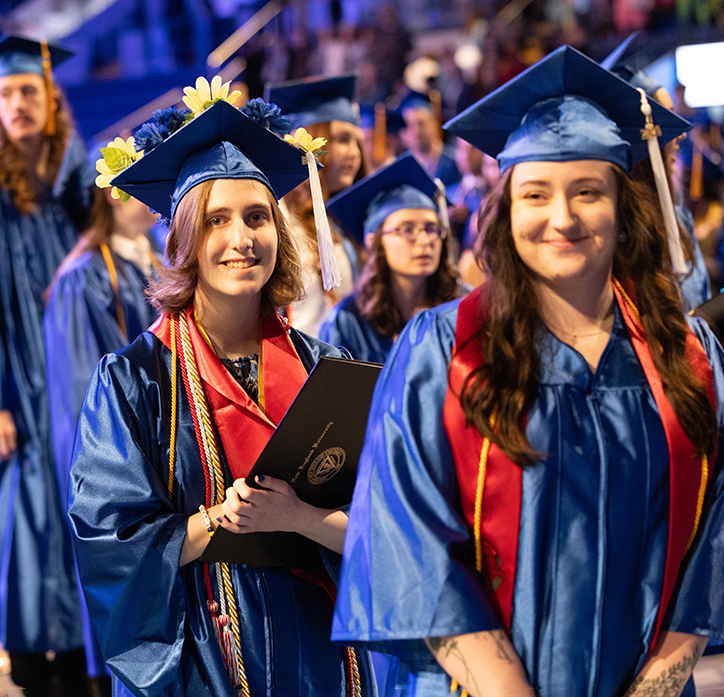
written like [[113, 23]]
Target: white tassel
[[331, 277], [678, 261], [441, 200]]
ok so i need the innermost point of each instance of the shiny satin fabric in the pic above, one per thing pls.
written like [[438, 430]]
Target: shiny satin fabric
[[345, 326], [151, 617], [40, 608], [593, 525], [81, 327]]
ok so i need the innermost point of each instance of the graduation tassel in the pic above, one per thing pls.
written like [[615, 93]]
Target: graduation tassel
[[327, 258], [331, 277], [441, 200], [50, 127], [650, 134], [380, 131]]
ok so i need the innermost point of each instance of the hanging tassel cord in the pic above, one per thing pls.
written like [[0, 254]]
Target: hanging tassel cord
[[50, 125], [441, 200], [650, 134], [331, 277]]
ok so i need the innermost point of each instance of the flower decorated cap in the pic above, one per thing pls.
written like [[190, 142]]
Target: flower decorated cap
[[307, 102], [365, 205], [565, 107], [19, 55], [220, 143]]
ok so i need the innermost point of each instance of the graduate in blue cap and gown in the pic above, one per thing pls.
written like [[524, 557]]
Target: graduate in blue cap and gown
[[172, 424], [325, 108], [41, 194], [540, 499], [395, 212], [694, 278], [97, 305], [422, 136]]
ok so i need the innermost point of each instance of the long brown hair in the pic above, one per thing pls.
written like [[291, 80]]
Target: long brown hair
[[374, 297], [507, 384], [18, 176], [178, 281]]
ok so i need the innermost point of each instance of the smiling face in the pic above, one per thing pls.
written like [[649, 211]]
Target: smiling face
[[418, 259], [23, 106], [345, 156], [564, 221], [238, 254]]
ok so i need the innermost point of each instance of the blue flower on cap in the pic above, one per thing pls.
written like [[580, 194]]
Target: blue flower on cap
[[268, 115], [183, 149]]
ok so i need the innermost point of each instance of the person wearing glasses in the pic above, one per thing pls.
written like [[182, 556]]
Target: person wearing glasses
[[394, 211]]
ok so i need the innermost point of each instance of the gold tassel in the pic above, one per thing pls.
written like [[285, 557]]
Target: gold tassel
[[50, 128], [695, 180], [380, 132]]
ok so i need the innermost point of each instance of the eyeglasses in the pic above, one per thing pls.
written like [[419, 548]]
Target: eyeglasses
[[410, 231]]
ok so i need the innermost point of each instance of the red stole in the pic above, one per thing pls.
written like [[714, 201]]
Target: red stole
[[244, 428], [503, 480]]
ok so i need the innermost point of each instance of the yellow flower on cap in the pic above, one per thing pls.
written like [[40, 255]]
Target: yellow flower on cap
[[304, 140], [204, 95], [117, 156]]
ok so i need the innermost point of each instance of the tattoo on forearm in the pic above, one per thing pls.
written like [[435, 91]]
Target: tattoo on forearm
[[669, 682], [445, 647], [501, 645]]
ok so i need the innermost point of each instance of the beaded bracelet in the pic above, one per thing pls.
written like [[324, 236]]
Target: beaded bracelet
[[207, 520]]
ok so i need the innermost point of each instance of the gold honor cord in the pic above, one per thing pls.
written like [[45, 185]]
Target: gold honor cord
[[120, 317]]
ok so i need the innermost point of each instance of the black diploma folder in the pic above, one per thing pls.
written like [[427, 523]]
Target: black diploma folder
[[315, 448]]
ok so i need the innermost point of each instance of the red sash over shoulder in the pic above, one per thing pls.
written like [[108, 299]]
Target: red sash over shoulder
[[243, 426], [501, 479]]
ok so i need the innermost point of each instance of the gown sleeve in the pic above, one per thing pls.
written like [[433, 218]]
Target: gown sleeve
[[79, 330], [408, 570], [699, 604], [127, 534]]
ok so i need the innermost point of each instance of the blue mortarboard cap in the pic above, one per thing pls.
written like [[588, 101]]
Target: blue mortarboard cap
[[220, 143], [546, 114], [623, 62], [393, 119], [414, 100], [365, 205], [307, 102], [19, 55]]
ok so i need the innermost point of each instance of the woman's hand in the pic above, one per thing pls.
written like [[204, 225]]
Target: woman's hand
[[276, 507]]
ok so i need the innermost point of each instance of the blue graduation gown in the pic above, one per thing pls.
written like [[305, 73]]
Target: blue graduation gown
[[695, 286], [39, 606], [80, 327], [593, 526], [345, 326], [149, 615]]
